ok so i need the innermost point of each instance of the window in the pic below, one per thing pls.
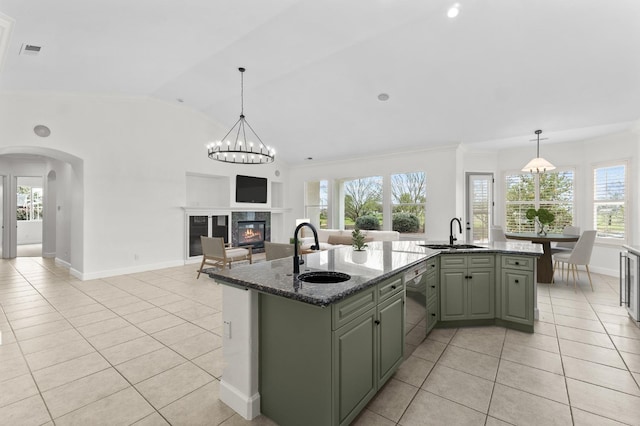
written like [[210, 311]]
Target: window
[[29, 203], [408, 197], [363, 197], [317, 203], [552, 190], [609, 201]]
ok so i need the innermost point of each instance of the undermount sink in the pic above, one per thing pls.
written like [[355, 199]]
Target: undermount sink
[[324, 277], [450, 246]]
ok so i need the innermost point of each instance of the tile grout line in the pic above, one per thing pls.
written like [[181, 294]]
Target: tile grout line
[[98, 352]]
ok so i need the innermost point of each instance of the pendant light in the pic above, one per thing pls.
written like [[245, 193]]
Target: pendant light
[[538, 164], [241, 144]]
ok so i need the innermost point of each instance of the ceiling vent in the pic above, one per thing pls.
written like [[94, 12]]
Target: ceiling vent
[[30, 49]]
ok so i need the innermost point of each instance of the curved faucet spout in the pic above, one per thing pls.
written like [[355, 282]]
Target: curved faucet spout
[[316, 246], [451, 237]]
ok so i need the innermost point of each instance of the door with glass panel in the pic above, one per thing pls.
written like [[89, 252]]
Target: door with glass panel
[[479, 207]]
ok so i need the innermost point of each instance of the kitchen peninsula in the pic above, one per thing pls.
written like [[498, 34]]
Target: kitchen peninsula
[[304, 353]]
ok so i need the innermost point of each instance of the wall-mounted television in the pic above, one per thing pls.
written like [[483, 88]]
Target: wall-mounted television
[[251, 189]]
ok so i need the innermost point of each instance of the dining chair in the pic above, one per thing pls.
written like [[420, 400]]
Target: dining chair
[[214, 253], [580, 255], [566, 245], [497, 234], [275, 251]]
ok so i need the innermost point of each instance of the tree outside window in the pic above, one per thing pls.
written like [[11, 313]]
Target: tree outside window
[[363, 197], [408, 198], [552, 191]]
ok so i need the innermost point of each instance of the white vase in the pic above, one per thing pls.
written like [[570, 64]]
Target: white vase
[[359, 256]]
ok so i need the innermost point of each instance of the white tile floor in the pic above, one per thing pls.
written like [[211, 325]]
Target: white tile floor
[[145, 349]]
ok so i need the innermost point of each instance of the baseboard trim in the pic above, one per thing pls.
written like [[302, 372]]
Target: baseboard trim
[[130, 270], [245, 405]]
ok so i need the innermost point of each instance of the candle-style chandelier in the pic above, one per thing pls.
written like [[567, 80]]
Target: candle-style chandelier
[[241, 144]]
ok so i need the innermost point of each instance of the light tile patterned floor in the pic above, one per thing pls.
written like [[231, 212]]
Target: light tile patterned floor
[[145, 349]]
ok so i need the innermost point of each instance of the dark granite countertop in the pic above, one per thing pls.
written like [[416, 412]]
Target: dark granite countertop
[[384, 259]]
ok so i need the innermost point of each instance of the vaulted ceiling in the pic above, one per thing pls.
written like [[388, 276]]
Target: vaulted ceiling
[[315, 68]]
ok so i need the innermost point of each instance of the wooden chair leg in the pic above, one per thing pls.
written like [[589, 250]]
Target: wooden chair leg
[[575, 283], [201, 266], [589, 275]]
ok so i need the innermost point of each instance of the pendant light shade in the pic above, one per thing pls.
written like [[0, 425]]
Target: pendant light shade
[[538, 164], [241, 144]]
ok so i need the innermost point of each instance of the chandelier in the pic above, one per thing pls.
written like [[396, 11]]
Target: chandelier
[[538, 164], [241, 144]]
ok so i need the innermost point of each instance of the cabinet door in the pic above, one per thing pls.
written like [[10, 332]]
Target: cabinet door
[[453, 294], [354, 366], [391, 336], [517, 296], [480, 294]]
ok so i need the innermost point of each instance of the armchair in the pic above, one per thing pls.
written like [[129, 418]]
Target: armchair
[[215, 253]]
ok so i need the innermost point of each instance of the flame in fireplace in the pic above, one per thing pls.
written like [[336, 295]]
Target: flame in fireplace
[[251, 235]]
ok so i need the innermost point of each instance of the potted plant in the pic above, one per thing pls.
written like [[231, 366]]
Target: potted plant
[[542, 217], [359, 254]]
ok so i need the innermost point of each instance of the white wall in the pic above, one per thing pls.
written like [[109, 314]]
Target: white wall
[[136, 154]]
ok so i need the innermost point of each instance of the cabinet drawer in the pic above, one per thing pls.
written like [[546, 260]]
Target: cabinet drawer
[[481, 261], [453, 261], [524, 263], [390, 287], [352, 307], [432, 287], [432, 264]]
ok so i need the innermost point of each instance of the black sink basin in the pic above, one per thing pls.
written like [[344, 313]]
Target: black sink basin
[[450, 246], [324, 277]]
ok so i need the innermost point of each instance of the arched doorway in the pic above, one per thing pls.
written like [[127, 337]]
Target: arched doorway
[[62, 204]]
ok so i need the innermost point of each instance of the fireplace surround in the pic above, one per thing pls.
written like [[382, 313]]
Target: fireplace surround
[[251, 228]]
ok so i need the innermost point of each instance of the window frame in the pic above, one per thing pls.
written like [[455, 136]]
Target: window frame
[[537, 201], [626, 205]]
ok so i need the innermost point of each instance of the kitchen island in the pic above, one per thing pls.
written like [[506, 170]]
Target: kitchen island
[[305, 353]]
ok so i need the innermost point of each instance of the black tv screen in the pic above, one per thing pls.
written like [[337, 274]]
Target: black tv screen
[[250, 189]]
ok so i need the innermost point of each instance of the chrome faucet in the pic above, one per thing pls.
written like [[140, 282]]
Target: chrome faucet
[[316, 246], [451, 237]]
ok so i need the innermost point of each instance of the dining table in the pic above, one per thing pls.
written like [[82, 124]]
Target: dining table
[[545, 262]]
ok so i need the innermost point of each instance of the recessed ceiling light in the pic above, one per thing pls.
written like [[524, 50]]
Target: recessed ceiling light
[[453, 10], [383, 97], [42, 131], [180, 100], [309, 158]]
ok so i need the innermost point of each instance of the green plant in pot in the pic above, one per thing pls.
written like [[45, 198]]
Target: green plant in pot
[[357, 238], [542, 217], [359, 254]]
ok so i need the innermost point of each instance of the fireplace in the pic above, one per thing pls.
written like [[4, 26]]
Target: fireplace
[[251, 232]]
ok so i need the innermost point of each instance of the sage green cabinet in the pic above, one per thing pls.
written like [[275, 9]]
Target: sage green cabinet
[[391, 336], [355, 358], [321, 366], [517, 289], [432, 284], [467, 287]]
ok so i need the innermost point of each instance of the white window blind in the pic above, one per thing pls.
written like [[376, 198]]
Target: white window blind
[[609, 201]]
